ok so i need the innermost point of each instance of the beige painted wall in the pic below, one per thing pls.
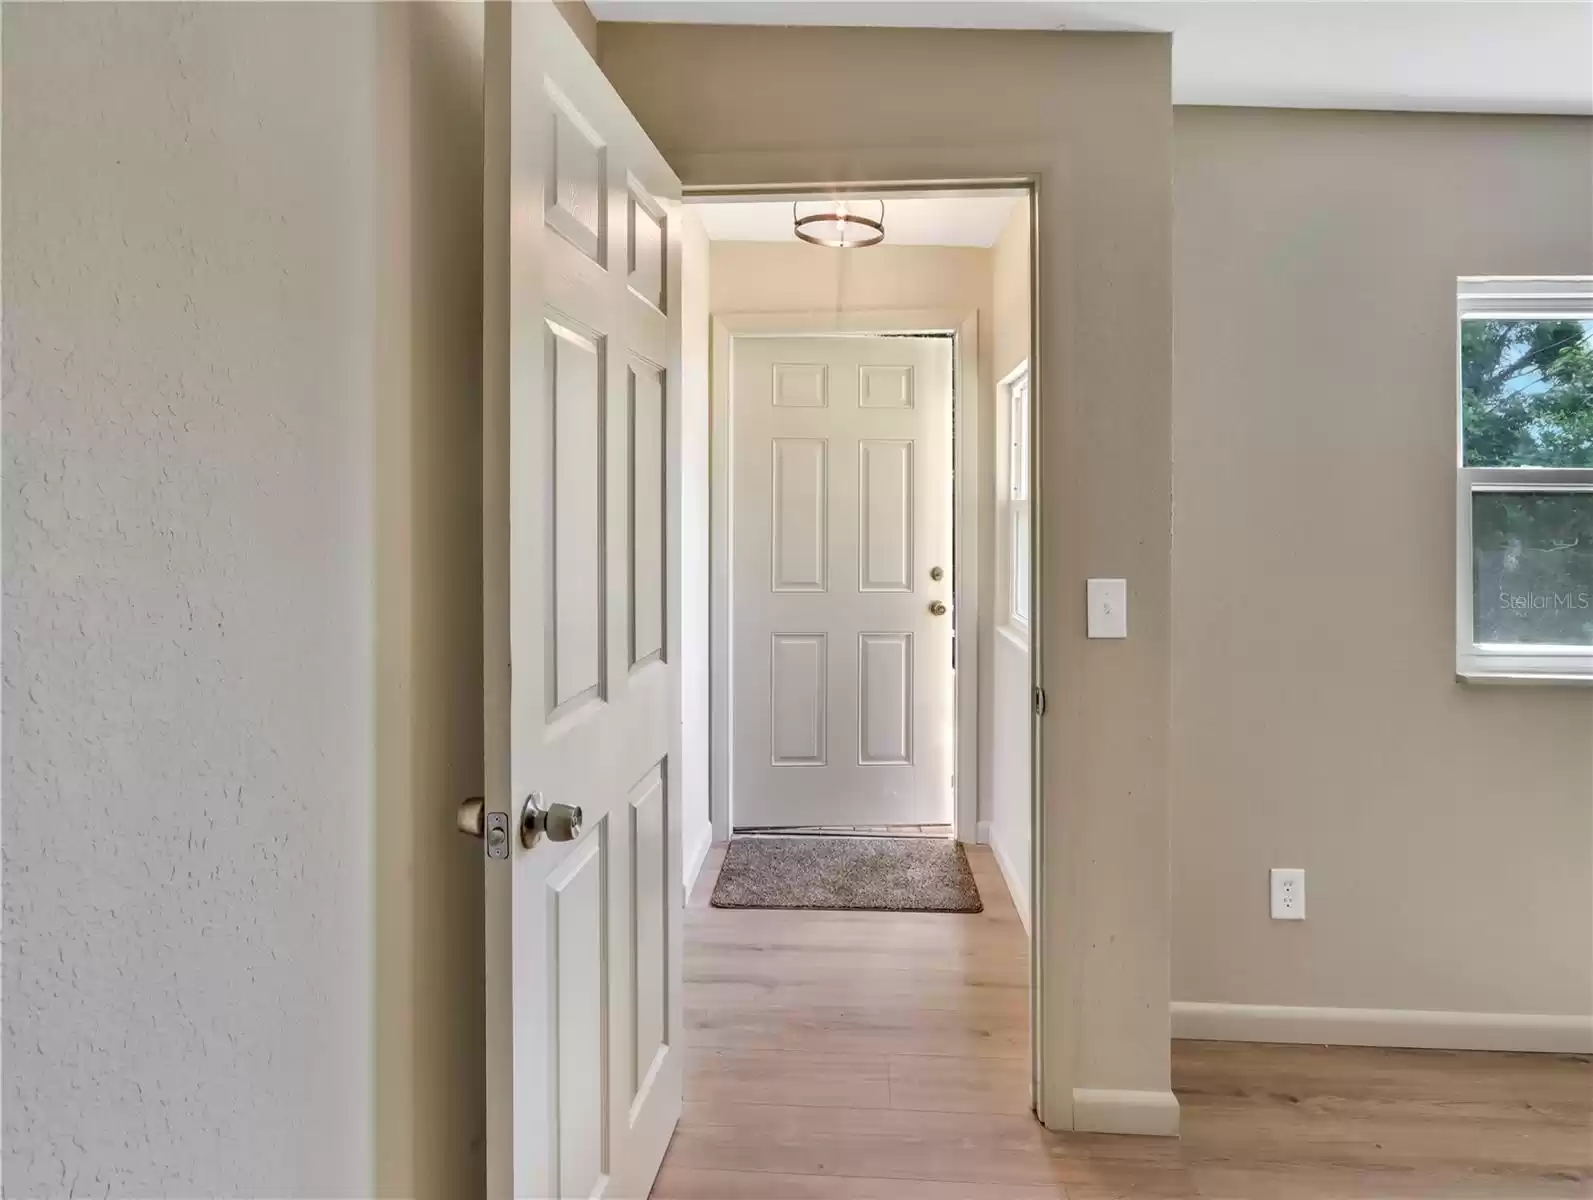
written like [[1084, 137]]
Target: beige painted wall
[[1006, 715], [761, 277], [1089, 117], [756, 277], [1009, 285], [579, 17], [1446, 830], [243, 593], [430, 1086]]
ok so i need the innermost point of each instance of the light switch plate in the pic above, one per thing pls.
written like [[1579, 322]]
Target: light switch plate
[[1107, 602]]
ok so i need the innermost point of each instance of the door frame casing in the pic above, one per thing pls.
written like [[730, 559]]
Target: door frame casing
[[968, 479]]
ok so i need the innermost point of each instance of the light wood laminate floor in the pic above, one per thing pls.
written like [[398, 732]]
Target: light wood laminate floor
[[883, 1056]]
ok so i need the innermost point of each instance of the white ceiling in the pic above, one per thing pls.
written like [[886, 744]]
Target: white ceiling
[[938, 221], [1438, 55]]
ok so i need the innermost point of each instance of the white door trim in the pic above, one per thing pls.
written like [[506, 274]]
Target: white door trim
[[969, 479]]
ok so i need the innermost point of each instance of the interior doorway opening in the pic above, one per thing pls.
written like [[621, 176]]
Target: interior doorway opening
[[865, 546], [932, 278]]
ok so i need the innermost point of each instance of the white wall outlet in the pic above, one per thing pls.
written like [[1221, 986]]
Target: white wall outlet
[[1106, 601], [1288, 893]]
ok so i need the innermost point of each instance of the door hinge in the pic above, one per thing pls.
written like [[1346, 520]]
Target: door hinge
[[1039, 702]]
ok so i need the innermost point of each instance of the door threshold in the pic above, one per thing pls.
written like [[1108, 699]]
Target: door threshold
[[882, 831]]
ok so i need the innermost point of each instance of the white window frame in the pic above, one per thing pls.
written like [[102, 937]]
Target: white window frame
[[1015, 397], [1525, 298]]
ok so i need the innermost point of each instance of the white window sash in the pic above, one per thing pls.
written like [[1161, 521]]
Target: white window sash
[[1499, 298], [1481, 661]]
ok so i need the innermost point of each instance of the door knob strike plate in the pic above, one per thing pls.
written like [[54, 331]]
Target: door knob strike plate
[[497, 835], [473, 820]]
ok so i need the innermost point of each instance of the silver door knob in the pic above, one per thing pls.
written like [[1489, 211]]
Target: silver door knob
[[471, 817], [938, 608], [558, 822]]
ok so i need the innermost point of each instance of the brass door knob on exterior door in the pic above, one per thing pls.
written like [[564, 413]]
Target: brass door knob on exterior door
[[938, 608]]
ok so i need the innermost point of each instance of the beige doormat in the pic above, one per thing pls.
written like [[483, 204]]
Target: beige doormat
[[875, 873]]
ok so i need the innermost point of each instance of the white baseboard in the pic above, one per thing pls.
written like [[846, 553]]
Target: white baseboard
[[1383, 1027], [1020, 894], [982, 833], [1150, 1114], [698, 844]]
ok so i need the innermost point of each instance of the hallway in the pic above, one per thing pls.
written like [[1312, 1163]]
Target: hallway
[[878, 1056], [879, 1047]]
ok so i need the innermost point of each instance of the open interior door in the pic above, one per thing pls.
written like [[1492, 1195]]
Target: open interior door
[[580, 823]]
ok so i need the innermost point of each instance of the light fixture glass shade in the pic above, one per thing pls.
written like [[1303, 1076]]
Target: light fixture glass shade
[[843, 224]]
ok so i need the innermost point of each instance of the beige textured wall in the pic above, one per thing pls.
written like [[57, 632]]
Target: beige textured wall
[[1446, 830], [189, 676], [1089, 117], [1006, 716], [242, 683]]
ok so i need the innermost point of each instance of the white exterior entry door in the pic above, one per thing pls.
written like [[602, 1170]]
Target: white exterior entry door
[[583, 933], [843, 706]]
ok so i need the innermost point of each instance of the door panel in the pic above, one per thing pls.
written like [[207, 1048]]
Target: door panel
[[581, 442], [885, 515], [650, 957], [577, 184], [799, 515], [648, 248], [577, 931], [799, 699], [842, 675], [885, 699], [800, 385], [885, 386], [648, 508], [574, 468]]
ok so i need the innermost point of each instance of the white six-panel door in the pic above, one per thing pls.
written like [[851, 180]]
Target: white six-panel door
[[583, 937], [840, 515]]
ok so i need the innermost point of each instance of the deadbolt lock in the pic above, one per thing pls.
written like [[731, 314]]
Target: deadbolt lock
[[936, 574]]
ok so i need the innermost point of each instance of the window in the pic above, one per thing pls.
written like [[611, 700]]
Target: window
[[1020, 582], [1524, 595]]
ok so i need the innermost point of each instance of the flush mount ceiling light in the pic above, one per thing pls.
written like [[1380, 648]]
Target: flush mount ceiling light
[[838, 223]]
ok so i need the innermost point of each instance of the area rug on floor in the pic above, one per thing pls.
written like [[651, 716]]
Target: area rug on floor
[[882, 874]]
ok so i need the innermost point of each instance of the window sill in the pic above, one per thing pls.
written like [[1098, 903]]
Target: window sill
[[1518, 678], [1016, 634]]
